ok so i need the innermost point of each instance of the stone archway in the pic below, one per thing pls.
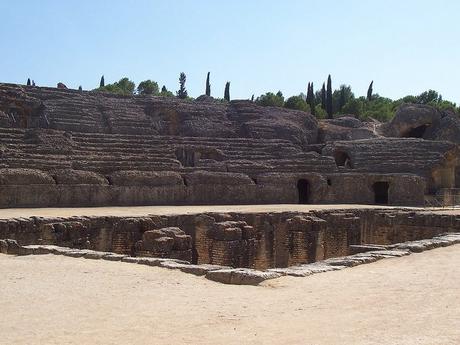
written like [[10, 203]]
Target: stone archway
[[416, 132], [342, 159]]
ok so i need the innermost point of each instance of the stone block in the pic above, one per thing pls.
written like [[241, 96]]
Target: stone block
[[185, 255], [241, 276], [198, 270], [162, 245], [182, 242], [151, 235], [74, 253], [95, 255], [3, 247], [113, 257], [130, 259], [226, 234]]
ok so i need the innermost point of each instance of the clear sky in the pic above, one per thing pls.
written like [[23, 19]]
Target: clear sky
[[405, 46]]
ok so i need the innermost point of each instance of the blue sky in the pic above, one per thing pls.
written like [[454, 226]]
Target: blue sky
[[406, 47]]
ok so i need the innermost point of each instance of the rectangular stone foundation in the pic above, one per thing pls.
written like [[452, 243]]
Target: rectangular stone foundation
[[250, 240]]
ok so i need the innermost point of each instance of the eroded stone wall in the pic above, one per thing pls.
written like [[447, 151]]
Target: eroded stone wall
[[70, 188], [252, 240]]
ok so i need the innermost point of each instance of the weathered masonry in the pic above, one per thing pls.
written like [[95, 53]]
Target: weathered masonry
[[62, 147], [251, 240]]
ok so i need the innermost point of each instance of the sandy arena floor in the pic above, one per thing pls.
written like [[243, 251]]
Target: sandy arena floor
[[168, 210], [60, 300]]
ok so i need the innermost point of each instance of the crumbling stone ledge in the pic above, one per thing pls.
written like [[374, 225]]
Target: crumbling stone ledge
[[244, 276]]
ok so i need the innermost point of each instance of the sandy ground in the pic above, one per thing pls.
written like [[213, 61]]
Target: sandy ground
[[60, 300], [168, 210]]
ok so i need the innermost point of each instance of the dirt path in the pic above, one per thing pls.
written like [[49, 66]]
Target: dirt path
[[167, 210], [60, 300]]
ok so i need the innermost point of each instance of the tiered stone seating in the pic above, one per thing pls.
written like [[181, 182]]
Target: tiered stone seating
[[155, 150], [97, 112], [106, 153], [394, 155]]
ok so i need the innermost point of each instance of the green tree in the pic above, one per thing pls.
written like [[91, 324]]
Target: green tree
[[165, 92], [28, 82], [297, 103], [429, 97], [122, 87], [227, 92], [80, 88], [148, 87], [182, 93], [323, 96], [126, 86], [271, 99], [311, 98], [320, 113], [340, 97], [329, 98], [208, 85], [102, 82], [446, 105], [380, 108], [354, 106], [409, 99], [369, 91]]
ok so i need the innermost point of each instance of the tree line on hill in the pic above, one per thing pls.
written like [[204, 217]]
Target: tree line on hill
[[322, 103], [326, 102]]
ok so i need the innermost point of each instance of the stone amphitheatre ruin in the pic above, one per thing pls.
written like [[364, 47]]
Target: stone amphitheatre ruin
[[69, 148]]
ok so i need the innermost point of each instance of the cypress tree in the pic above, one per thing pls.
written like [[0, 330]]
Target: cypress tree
[[182, 93], [208, 86], [252, 98], [308, 94], [227, 92], [369, 91], [323, 96], [80, 88], [164, 89], [329, 97], [33, 82], [312, 100], [28, 82], [102, 82]]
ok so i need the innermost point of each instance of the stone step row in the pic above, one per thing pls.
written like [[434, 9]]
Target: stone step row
[[384, 252], [241, 276], [11, 247], [160, 140], [130, 137], [90, 157]]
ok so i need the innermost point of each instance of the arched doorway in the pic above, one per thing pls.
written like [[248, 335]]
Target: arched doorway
[[303, 189], [416, 132], [381, 193], [342, 159]]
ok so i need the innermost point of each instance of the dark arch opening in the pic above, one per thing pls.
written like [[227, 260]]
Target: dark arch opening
[[342, 159], [381, 193], [417, 132], [303, 189]]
